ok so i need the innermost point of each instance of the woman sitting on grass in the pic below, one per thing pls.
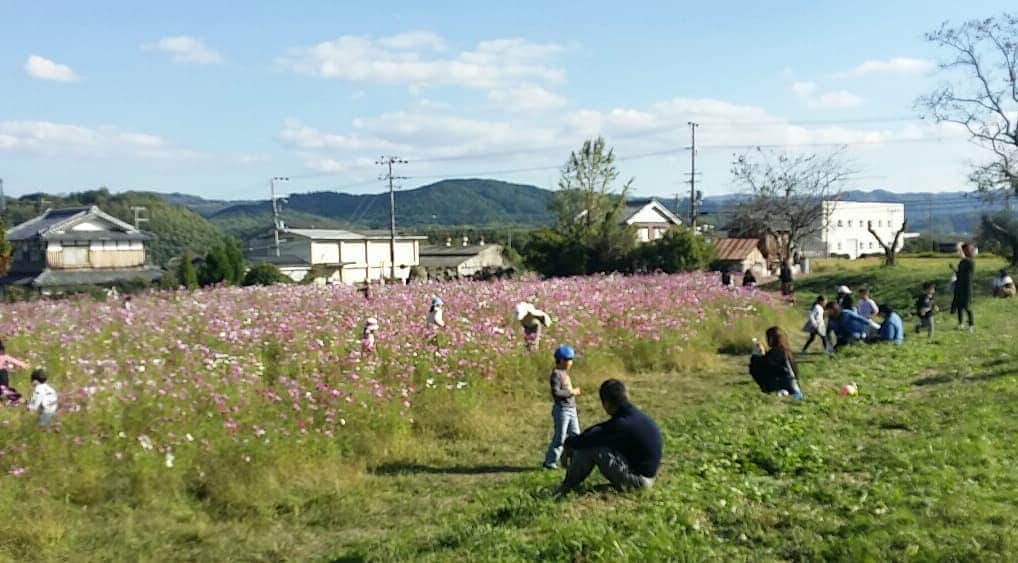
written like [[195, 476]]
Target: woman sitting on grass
[[775, 371]]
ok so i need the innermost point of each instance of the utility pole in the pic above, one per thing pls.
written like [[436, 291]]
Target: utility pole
[[275, 209], [388, 161], [138, 219], [692, 175]]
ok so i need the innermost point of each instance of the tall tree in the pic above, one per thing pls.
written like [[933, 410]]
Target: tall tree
[[186, 273], [236, 261], [590, 207], [787, 193], [981, 96]]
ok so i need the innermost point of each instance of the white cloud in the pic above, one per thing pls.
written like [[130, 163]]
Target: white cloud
[[45, 69], [525, 98], [49, 138], [419, 59], [897, 65], [186, 49], [810, 93]]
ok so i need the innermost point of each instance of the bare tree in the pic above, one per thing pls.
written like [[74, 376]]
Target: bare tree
[[890, 249], [787, 193], [983, 98]]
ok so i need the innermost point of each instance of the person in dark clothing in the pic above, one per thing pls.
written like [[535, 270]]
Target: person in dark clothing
[[785, 277], [626, 447], [775, 371], [726, 278], [962, 302], [748, 279]]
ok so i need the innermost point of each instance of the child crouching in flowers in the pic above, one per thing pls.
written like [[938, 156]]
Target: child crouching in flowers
[[44, 399], [435, 317], [563, 410], [532, 319], [368, 338]]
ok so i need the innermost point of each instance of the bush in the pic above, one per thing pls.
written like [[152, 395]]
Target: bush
[[680, 250], [16, 293], [133, 285], [921, 243], [316, 271], [169, 281], [264, 274]]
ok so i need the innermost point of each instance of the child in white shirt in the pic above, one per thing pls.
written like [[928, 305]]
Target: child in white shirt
[[44, 399], [815, 325], [435, 317]]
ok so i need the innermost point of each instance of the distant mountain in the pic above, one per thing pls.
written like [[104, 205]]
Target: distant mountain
[[465, 202]]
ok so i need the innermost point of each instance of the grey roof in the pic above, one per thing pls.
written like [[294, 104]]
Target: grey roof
[[282, 260], [465, 251], [65, 278], [451, 261], [51, 224], [340, 234]]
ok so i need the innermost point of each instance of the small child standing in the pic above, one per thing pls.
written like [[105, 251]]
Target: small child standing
[[44, 399], [925, 309], [816, 326], [435, 317], [563, 411], [368, 337]]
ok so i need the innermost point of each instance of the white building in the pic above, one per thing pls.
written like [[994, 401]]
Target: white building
[[651, 219], [456, 261], [845, 232], [345, 256]]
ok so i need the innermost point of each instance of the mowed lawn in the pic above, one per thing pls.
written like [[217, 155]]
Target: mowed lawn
[[920, 466]]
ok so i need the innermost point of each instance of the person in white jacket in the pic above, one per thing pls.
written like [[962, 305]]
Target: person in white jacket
[[815, 325], [532, 320], [44, 399]]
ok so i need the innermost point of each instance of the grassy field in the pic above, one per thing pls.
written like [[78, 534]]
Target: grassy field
[[918, 467]]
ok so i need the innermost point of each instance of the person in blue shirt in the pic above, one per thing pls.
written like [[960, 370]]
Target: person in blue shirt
[[849, 327], [891, 330]]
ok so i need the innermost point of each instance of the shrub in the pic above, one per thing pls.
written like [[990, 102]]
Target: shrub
[[264, 274], [680, 250]]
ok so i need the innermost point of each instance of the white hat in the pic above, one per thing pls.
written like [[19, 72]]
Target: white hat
[[843, 290], [522, 310], [371, 322]]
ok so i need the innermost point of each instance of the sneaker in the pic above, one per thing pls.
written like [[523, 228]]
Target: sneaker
[[558, 492], [972, 328], [550, 467]]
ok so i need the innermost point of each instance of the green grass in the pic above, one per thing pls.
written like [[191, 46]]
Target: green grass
[[919, 466]]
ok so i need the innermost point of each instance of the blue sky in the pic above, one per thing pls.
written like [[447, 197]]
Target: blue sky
[[212, 100]]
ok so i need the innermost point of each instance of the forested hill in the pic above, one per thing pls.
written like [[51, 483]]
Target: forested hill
[[474, 202], [175, 227]]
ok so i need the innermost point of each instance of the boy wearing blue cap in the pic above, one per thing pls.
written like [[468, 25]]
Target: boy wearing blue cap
[[563, 411], [435, 316]]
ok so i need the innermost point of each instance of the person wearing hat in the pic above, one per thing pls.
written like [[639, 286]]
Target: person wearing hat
[[1003, 285], [845, 298], [435, 318], [563, 410], [532, 320], [368, 337]]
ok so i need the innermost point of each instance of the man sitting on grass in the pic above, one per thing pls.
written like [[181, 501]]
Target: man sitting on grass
[[848, 326], [626, 448]]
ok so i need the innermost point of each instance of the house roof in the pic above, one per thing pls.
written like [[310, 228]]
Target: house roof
[[53, 225], [65, 278], [635, 206], [340, 234], [735, 248], [465, 251]]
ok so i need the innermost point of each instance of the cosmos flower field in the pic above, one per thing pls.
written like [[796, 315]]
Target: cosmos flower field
[[249, 374]]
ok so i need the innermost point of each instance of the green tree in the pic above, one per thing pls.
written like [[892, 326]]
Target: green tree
[[216, 268], [590, 208], [186, 273], [264, 273], [236, 261], [169, 281], [679, 250], [1001, 231], [552, 254]]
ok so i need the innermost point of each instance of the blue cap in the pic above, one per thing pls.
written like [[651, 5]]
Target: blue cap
[[564, 352], [436, 301]]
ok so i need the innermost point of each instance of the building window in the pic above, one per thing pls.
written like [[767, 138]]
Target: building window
[[839, 246], [871, 246], [839, 223], [850, 223]]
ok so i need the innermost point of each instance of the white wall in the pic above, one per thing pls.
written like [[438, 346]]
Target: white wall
[[846, 231], [648, 215], [325, 252]]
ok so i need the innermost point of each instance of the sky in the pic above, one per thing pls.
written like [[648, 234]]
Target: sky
[[213, 100]]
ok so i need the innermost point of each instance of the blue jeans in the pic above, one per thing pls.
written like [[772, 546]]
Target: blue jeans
[[566, 424]]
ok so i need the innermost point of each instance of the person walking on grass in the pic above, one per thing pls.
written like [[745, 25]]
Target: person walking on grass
[[626, 447], [816, 326], [848, 326], [925, 308], [891, 330], [774, 370], [866, 307], [44, 399], [962, 302], [563, 410]]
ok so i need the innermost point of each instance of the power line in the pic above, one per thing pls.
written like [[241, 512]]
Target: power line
[[388, 161]]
